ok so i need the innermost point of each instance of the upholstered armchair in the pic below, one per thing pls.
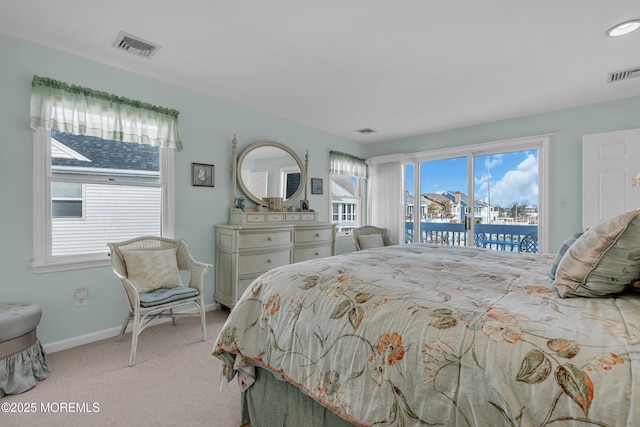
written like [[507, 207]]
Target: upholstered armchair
[[369, 236], [149, 269]]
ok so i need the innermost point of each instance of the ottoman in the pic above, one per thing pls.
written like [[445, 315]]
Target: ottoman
[[22, 360]]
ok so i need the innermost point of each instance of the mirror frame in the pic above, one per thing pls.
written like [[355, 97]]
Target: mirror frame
[[249, 149]]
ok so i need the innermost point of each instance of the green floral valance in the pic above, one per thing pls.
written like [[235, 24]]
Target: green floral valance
[[347, 164], [82, 111]]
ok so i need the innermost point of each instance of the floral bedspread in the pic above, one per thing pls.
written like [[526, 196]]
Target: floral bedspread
[[424, 335]]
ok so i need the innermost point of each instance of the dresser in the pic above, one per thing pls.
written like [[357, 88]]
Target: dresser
[[255, 242]]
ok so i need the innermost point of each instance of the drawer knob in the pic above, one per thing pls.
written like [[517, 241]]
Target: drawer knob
[[317, 253], [268, 261], [317, 234], [269, 238]]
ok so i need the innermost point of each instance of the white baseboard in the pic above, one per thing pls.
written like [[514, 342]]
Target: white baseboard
[[103, 334]]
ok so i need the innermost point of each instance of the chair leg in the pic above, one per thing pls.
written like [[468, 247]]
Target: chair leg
[[124, 327], [203, 319], [173, 319], [134, 339]]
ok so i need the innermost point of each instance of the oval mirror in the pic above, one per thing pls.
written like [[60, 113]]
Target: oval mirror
[[270, 169]]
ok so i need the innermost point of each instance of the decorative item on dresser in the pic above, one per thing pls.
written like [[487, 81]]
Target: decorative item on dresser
[[274, 232]]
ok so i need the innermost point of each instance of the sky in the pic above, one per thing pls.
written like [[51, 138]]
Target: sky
[[510, 177]]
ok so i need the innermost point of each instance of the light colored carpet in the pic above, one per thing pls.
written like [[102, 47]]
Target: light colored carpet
[[175, 382]]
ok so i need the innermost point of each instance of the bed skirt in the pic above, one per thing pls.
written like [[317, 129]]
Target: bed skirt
[[271, 402]]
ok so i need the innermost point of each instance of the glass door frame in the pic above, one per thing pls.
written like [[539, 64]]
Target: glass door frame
[[539, 142]]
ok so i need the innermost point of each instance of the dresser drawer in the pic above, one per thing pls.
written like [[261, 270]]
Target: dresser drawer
[[306, 254], [292, 217], [257, 217], [243, 284], [259, 263], [275, 217], [313, 235], [264, 239]]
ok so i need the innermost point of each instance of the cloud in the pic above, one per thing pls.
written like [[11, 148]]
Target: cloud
[[517, 186]]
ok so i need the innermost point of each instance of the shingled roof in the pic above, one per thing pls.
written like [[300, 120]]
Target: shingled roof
[[106, 154]]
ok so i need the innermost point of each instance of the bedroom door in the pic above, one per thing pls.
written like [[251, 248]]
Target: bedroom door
[[609, 162]]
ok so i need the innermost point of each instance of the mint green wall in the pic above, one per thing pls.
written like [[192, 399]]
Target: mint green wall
[[565, 150], [207, 126]]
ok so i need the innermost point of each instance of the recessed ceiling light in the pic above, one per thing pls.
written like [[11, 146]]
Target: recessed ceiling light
[[623, 28]]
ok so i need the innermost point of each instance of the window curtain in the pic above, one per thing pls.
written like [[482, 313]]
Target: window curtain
[[386, 189], [82, 111], [346, 164]]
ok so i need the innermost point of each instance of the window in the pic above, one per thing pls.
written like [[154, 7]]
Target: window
[[346, 202], [347, 182], [107, 191], [290, 179], [66, 200], [490, 195], [90, 190]]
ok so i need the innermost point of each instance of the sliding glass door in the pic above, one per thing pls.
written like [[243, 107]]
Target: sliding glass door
[[506, 188], [486, 195], [434, 207]]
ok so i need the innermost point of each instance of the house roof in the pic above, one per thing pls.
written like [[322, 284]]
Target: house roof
[[342, 186], [91, 152]]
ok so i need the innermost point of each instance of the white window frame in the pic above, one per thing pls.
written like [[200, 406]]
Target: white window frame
[[360, 217], [539, 142], [43, 261]]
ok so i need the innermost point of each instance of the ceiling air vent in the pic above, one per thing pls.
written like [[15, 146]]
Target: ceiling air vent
[[135, 45], [616, 76], [365, 131]]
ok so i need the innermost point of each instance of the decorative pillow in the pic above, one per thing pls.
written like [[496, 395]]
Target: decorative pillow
[[369, 241], [563, 249], [604, 261], [150, 270]]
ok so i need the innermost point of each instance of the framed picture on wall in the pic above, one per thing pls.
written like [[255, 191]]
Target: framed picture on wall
[[202, 175], [316, 185]]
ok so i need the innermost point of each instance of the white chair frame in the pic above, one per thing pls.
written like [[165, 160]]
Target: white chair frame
[[141, 316]]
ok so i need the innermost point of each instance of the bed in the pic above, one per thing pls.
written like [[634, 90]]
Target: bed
[[411, 335]]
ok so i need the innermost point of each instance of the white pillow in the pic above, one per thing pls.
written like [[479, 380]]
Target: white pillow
[[369, 241], [151, 270]]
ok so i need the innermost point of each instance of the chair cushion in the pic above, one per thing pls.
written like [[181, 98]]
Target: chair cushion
[[604, 261], [164, 295], [369, 241], [150, 270]]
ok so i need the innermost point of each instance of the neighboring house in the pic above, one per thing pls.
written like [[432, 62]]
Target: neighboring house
[[452, 205], [83, 209]]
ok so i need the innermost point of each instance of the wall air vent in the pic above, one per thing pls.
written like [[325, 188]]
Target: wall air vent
[[616, 76], [365, 131], [134, 45]]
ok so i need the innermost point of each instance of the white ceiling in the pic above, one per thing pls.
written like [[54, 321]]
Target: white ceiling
[[400, 67]]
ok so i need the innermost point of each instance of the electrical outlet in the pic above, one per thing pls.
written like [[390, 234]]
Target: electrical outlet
[[81, 296]]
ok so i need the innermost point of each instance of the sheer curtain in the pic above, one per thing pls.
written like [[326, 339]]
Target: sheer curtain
[[386, 189], [82, 111], [347, 164]]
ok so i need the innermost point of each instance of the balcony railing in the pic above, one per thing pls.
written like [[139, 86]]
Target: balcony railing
[[505, 237]]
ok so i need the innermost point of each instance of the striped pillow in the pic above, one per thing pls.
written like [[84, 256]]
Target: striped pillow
[[563, 249]]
